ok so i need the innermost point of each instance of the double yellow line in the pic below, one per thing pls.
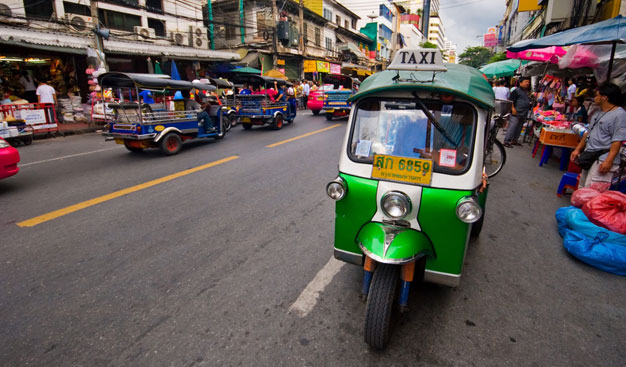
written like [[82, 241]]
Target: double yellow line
[[129, 190]]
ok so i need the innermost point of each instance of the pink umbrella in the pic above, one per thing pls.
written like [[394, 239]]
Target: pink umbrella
[[548, 54]]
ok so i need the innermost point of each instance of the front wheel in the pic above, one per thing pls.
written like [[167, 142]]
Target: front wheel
[[170, 144], [380, 305], [329, 116], [231, 120], [277, 124], [246, 126], [495, 157], [315, 112]]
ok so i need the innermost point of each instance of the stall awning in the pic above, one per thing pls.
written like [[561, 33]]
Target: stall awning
[[251, 60], [56, 41], [348, 65], [353, 49]]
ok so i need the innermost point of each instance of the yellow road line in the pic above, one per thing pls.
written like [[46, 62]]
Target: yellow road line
[[85, 204], [301, 136]]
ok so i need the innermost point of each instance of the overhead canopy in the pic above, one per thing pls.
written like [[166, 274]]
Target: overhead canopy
[[246, 70], [251, 60], [611, 30], [501, 69], [148, 81], [460, 80], [221, 83], [258, 80]]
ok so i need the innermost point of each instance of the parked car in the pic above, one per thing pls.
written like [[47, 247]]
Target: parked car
[[315, 102], [9, 158]]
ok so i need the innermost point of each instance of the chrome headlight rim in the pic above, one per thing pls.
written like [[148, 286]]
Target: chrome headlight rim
[[399, 195], [341, 184], [475, 205]]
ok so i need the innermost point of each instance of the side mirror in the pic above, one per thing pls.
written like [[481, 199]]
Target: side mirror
[[503, 107]]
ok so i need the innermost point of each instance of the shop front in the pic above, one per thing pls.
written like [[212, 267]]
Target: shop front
[[318, 69]]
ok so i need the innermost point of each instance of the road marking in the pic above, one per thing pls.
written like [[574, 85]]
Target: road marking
[[85, 204], [308, 298], [67, 156], [302, 136]]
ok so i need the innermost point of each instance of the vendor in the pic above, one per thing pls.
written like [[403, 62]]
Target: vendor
[[580, 112], [597, 152]]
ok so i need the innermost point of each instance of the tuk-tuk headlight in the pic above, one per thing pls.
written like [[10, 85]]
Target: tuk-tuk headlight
[[396, 205], [336, 189], [468, 210]]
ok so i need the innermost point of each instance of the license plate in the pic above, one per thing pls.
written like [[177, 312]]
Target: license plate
[[410, 170], [245, 119], [119, 141]]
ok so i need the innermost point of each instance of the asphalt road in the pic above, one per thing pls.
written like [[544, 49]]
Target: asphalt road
[[202, 269]]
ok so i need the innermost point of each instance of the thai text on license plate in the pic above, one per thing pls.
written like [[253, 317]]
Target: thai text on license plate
[[410, 170]]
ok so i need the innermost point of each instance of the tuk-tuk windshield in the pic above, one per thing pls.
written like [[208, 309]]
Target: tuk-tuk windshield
[[401, 128]]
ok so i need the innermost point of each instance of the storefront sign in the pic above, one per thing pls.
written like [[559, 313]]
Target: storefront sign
[[323, 67], [310, 66], [280, 62], [490, 40], [559, 138], [33, 116], [335, 69]]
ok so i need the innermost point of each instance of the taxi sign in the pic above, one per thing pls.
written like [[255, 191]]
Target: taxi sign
[[418, 59]]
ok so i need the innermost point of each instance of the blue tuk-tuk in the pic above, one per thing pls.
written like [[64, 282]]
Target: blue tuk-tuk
[[336, 100], [163, 123], [228, 101], [259, 107]]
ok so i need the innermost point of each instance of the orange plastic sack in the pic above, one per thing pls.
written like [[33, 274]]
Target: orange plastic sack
[[581, 196], [608, 210]]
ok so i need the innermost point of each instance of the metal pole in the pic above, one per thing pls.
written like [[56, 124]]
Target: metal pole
[[608, 77], [242, 31], [210, 17], [96, 25], [275, 16]]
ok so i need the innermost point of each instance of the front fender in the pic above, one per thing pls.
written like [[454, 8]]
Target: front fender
[[165, 131], [393, 245]]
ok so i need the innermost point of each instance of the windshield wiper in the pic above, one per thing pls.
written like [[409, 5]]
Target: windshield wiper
[[432, 118]]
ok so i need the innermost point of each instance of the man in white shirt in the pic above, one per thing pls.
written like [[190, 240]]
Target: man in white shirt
[[47, 94], [306, 89], [501, 91]]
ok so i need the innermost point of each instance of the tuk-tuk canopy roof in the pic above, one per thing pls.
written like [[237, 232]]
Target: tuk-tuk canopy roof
[[460, 80], [257, 79], [148, 81], [221, 83]]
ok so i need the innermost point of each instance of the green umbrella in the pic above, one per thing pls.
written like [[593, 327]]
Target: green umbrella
[[157, 68], [502, 68], [246, 69]]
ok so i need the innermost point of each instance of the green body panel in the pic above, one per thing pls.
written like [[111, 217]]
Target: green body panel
[[449, 235], [353, 211], [406, 244], [461, 80]]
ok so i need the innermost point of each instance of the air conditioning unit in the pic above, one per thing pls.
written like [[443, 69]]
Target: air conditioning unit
[[180, 38], [198, 37], [7, 15], [79, 23], [144, 34]]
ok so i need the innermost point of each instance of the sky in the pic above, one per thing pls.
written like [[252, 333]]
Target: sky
[[463, 20]]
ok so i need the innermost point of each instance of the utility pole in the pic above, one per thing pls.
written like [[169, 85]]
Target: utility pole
[[301, 38], [209, 9], [275, 16], [96, 27], [241, 29]]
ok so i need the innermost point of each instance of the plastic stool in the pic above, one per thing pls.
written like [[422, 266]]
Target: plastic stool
[[569, 180]]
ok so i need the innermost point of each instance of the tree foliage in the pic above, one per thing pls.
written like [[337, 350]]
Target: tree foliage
[[428, 45], [500, 56], [475, 56]]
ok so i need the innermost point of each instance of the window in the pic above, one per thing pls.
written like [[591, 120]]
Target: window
[[38, 9], [401, 128], [126, 3], [318, 37], [338, 20], [119, 21], [155, 6], [71, 8], [305, 36], [231, 31], [328, 15], [346, 24], [158, 25], [329, 43], [385, 12], [353, 23]]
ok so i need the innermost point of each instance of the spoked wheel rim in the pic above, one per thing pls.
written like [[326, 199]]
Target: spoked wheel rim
[[494, 159]]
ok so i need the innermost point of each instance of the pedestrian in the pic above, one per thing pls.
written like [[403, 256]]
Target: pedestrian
[[306, 89], [521, 106], [300, 94], [501, 91], [597, 152], [47, 94], [30, 87]]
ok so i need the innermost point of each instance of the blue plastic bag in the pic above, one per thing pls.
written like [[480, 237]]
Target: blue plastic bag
[[594, 245]]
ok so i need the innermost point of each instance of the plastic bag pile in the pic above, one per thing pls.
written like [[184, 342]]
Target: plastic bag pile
[[596, 234]]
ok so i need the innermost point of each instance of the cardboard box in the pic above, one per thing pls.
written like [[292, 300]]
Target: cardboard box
[[559, 138]]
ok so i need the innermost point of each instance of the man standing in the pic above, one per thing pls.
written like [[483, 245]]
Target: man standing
[[47, 94], [601, 144], [28, 83], [501, 91], [521, 106], [306, 89], [571, 90]]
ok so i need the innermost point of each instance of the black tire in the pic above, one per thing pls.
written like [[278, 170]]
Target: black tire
[[231, 120], [246, 126], [27, 140], [315, 112], [223, 121], [170, 144], [478, 226], [495, 159], [132, 149], [329, 116], [278, 122], [380, 305]]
